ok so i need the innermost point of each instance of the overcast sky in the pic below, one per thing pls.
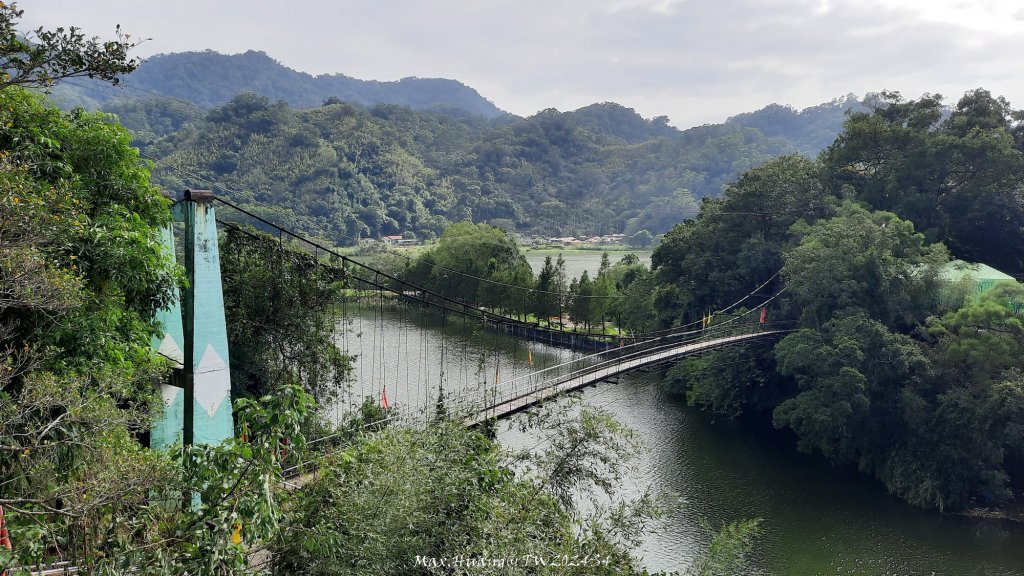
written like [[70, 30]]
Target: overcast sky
[[695, 61]]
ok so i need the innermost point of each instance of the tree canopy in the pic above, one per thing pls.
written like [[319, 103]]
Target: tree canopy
[[883, 373], [42, 57]]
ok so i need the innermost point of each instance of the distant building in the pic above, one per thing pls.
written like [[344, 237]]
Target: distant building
[[398, 241]]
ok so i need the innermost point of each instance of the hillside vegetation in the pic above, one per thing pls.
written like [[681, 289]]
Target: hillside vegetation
[[924, 393], [345, 172], [346, 159]]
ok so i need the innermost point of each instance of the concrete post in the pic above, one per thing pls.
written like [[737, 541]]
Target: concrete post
[[171, 345], [207, 397]]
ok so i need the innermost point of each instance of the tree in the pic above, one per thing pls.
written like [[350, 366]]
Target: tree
[[861, 260], [545, 303], [849, 406], [959, 180], [634, 309], [580, 305], [983, 340], [83, 274], [459, 496], [604, 291], [281, 313], [730, 382], [642, 239], [42, 57], [478, 264], [736, 242]]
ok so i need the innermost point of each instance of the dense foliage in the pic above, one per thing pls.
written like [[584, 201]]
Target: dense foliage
[[477, 263], [957, 177], [344, 172], [81, 274], [42, 57], [454, 504], [882, 374], [282, 311]]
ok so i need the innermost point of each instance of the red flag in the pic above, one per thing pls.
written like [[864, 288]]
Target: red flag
[[764, 315], [5, 538], [384, 398]]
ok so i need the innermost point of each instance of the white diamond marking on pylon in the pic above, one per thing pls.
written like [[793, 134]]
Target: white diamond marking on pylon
[[169, 393], [170, 349], [212, 381]]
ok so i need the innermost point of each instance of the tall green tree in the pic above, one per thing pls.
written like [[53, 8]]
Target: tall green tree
[[478, 264], [581, 300], [736, 242], [958, 179], [82, 274], [281, 308], [544, 301], [861, 260], [850, 405]]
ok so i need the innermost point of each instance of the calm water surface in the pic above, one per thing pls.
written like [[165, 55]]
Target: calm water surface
[[576, 261]]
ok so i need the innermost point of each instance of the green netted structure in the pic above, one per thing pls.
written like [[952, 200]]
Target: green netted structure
[[961, 279]]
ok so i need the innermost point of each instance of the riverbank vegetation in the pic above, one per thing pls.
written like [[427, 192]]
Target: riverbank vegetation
[[885, 371], [481, 265], [893, 369], [883, 374]]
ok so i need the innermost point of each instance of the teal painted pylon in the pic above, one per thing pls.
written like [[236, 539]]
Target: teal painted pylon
[[198, 409], [207, 398], [168, 430]]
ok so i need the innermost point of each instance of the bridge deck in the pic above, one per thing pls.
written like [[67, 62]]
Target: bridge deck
[[606, 370]]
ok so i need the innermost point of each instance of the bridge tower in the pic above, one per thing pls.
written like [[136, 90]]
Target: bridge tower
[[197, 399]]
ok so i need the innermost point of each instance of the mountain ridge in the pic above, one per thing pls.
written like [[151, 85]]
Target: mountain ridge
[[208, 78]]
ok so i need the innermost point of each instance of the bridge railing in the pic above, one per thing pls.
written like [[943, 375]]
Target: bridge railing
[[529, 384]]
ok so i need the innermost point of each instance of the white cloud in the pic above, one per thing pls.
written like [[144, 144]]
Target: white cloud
[[696, 61]]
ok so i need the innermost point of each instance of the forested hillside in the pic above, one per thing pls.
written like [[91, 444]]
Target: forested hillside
[[346, 159], [343, 172], [810, 130], [211, 79]]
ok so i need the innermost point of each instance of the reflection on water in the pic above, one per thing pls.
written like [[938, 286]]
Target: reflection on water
[[817, 519], [404, 349]]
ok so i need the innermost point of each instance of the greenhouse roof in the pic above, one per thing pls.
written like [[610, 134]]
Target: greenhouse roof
[[958, 270]]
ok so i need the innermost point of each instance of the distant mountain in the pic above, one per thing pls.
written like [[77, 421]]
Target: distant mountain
[[211, 79], [810, 130]]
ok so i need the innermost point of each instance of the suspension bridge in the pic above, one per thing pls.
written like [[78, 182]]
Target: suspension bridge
[[197, 396]]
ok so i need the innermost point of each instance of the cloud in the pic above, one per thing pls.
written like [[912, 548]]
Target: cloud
[[696, 61]]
